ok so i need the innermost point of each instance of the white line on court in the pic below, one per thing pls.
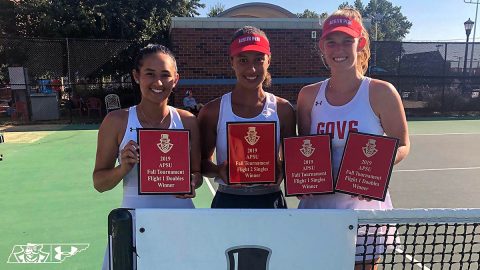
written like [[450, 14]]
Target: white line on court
[[210, 186], [440, 169], [417, 263], [445, 134]]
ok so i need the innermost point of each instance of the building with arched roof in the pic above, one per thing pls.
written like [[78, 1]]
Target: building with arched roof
[[256, 10], [201, 48]]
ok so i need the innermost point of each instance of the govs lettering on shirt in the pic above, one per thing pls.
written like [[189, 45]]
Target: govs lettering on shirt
[[338, 128]]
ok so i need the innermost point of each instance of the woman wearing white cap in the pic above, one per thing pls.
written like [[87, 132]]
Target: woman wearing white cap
[[250, 58], [349, 101]]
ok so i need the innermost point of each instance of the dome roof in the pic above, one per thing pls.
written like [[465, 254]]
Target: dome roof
[[257, 10]]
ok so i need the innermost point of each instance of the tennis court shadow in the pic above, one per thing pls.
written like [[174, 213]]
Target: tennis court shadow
[[443, 118]]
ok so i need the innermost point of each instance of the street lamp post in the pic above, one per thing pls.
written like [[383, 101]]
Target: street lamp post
[[468, 29], [376, 18], [475, 2]]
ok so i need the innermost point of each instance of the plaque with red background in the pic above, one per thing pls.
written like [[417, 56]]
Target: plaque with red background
[[366, 165], [252, 154], [164, 161], [308, 165]]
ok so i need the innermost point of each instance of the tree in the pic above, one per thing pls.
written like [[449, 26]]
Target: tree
[[312, 14], [358, 5], [344, 5], [7, 17], [216, 9], [141, 20], [391, 23]]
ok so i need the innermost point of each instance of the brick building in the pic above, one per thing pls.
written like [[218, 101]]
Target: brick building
[[201, 48]]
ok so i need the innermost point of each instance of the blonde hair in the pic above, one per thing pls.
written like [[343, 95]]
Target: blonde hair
[[363, 56]]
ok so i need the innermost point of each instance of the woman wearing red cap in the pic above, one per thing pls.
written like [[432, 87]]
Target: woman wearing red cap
[[250, 59], [349, 101]]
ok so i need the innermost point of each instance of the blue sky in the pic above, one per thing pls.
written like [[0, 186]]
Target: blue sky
[[433, 20]]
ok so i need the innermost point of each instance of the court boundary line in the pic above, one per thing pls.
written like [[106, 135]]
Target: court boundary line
[[438, 169], [212, 190], [412, 259], [444, 134]]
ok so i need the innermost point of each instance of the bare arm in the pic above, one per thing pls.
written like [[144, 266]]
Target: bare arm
[[305, 100], [190, 122], [387, 104], [287, 119], [288, 123], [105, 174], [286, 115], [208, 119]]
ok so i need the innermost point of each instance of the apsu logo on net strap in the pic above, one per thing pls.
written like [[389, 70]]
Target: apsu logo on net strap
[[44, 253], [248, 258]]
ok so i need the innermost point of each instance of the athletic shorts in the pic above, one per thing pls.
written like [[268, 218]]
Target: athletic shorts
[[265, 201]]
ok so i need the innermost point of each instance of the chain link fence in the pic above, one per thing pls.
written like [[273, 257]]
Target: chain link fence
[[432, 78], [76, 72]]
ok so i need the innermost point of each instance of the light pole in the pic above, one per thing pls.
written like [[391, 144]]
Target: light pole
[[468, 29], [476, 2], [376, 18]]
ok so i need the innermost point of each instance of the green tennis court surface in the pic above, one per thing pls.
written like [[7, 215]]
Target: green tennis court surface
[[47, 194]]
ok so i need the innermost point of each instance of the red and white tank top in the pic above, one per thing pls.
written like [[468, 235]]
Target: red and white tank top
[[356, 115]]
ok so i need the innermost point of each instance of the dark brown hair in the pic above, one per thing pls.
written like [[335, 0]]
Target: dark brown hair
[[267, 81], [152, 49]]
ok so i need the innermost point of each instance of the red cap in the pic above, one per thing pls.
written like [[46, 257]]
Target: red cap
[[342, 24], [250, 42]]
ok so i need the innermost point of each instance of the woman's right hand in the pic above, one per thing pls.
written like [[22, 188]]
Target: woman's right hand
[[129, 156], [222, 173], [305, 196]]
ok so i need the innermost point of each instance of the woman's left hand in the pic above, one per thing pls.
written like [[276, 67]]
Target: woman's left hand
[[197, 181]]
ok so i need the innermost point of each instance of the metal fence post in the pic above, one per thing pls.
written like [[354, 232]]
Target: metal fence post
[[442, 106]]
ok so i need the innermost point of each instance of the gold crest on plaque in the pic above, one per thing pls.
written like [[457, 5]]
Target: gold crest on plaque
[[370, 148], [164, 145], [252, 137], [307, 148]]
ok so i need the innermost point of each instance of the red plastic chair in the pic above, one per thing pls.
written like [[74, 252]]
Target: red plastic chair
[[21, 111], [77, 106], [94, 104]]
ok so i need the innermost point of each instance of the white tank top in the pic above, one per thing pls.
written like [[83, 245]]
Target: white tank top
[[131, 199], [356, 115], [269, 113]]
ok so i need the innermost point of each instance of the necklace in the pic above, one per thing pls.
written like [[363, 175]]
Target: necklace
[[149, 123]]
